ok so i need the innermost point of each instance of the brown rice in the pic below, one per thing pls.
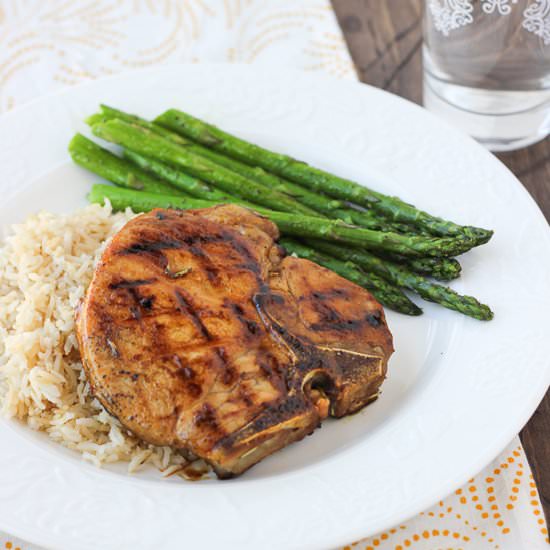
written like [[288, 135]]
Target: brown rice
[[45, 266]]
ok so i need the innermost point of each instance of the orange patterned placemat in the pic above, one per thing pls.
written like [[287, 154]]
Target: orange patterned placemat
[[498, 509], [46, 45]]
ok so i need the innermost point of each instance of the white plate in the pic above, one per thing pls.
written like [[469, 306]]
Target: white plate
[[458, 390]]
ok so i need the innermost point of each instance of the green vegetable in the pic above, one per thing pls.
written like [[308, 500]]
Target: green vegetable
[[314, 178], [140, 201], [404, 278], [321, 203], [442, 269], [301, 226], [89, 155], [150, 144], [175, 177]]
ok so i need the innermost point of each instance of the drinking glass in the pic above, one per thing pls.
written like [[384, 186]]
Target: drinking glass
[[487, 68]]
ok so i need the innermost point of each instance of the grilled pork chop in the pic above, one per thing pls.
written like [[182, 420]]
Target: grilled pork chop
[[198, 333]]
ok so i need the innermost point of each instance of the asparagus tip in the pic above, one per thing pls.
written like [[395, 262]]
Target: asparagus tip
[[414, 310], [94, 119]]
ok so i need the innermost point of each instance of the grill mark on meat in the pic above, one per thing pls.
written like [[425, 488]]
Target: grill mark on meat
[[211, 272], [338, 324], [186, 373], [326, 313], [206, 417], [197, 251], [245, 396], [185, 307], [269, 365], [326, 294], [183, 373], [151, 246], [374, 319], [332, 320], [229, 374], [251, 262], [220, 352], [272, 369], [146, 302], [193, 389], [246, 266], [131, 284], [154, 256], [251, 325], [237, 309]]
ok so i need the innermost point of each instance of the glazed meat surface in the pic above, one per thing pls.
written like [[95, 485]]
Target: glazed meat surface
[[198, 333]]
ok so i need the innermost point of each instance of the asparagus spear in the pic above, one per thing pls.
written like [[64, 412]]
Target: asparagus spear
[[89, 155], [177, 178], [140, 201], [150, 144], [97, 159], [385, 292], [109, 113], [442, 269], [313, 178], [302, 226], [407, 279], [319, 202], [316, 201], [93, 157]]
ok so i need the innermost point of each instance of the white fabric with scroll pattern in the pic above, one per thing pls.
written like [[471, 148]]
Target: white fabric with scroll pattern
[[46, 45]]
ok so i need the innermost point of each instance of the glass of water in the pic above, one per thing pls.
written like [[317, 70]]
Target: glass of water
[[487, 68]]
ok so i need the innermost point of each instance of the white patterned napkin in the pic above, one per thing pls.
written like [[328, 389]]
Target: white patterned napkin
[[46, 45]]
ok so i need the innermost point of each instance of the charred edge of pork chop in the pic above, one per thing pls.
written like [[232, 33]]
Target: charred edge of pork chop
[[328, 336]]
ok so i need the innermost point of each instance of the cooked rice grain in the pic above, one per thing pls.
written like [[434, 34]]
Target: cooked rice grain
[[45, 266]]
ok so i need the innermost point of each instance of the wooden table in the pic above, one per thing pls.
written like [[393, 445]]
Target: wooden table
[[385, 41]]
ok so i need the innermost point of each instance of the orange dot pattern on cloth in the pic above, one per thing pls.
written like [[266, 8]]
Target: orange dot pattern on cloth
[[498, 509]]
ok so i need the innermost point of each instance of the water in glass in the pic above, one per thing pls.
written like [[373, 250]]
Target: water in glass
[[487, 68]]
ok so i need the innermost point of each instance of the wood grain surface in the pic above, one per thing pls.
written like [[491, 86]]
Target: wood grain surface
[[385, 41]]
